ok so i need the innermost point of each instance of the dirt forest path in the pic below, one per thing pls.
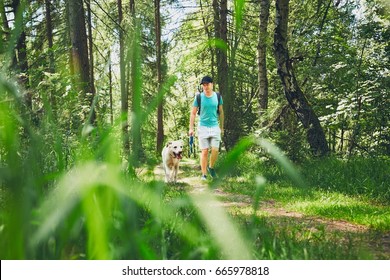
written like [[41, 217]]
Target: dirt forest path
[[379, 245]]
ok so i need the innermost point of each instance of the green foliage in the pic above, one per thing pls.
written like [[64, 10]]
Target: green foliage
[[65, 187], [356, 190], [91, 210], [239, 6], [356, 176], [248, 177], [343, 72]]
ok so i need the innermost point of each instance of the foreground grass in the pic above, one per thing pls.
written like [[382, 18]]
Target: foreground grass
[[276, 237], [95, 211]]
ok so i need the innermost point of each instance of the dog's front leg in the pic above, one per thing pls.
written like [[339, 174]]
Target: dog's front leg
[[172, 175], [167, 173], [175, 170]]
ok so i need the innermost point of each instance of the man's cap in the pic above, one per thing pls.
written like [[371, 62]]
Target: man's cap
[[206, 79]]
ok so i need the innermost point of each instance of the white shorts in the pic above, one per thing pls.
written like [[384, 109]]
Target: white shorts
[[209, 137]]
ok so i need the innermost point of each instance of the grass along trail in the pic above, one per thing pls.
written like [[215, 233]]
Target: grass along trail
[[241, 205]]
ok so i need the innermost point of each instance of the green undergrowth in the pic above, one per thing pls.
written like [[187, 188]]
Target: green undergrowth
[[356, 190], [276, 238], [86, 201]]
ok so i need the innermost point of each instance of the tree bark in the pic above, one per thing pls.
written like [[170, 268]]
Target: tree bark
[[209, 37], [80, 62], [90, 47], [217, 34], [216, 9], [110, 88], [124, 93], [262, 56], [20, 63], [356, 119], [132, 8], [295, 97], [4, 21], [220, 25], [136, 79], [160, 124], [49, 35]]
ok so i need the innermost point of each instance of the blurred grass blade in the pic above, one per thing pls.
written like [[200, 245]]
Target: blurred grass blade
[[94, 186], [260, 187], [218, 43], [158, 98], [277, 154], [98, 205], [222, 229], [238, 12], [152, 202], [70, 191], [13, 226], [229, 162]]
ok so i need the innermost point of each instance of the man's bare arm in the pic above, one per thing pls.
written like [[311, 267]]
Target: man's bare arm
[[192, 120]]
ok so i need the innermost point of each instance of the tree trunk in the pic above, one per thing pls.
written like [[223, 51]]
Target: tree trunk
[[341, 147], [110, 87], [160, 127], [80, 63], [217, 34], [49, 35], [295, 97], [230, 126], [209, 37], [4, 21], [132, 8], [216, 9], [91, 59], [262, 56], [20, 63], [356, 119], [124, 93], [136, 79]]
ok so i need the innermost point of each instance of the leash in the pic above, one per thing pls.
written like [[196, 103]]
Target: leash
[[191, 144]]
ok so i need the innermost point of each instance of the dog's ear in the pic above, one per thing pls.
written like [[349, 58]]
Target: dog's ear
[[168, 144]]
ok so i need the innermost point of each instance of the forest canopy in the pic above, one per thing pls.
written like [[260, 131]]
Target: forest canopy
[[81, 66]]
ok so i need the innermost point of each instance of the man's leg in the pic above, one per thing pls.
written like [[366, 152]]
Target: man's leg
[[204, 145], [203, 161], [213, 157], [215, 142]]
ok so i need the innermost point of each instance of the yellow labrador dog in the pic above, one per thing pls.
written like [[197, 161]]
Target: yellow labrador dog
[[171, 156]]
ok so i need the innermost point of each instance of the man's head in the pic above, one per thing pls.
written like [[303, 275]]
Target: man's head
[[206, 80], [207, 84]]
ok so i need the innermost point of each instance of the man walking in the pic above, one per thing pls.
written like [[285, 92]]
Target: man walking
[[210, 127]]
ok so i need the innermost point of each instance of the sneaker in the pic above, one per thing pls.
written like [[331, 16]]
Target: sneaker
[[212, 172], [203, 178]]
